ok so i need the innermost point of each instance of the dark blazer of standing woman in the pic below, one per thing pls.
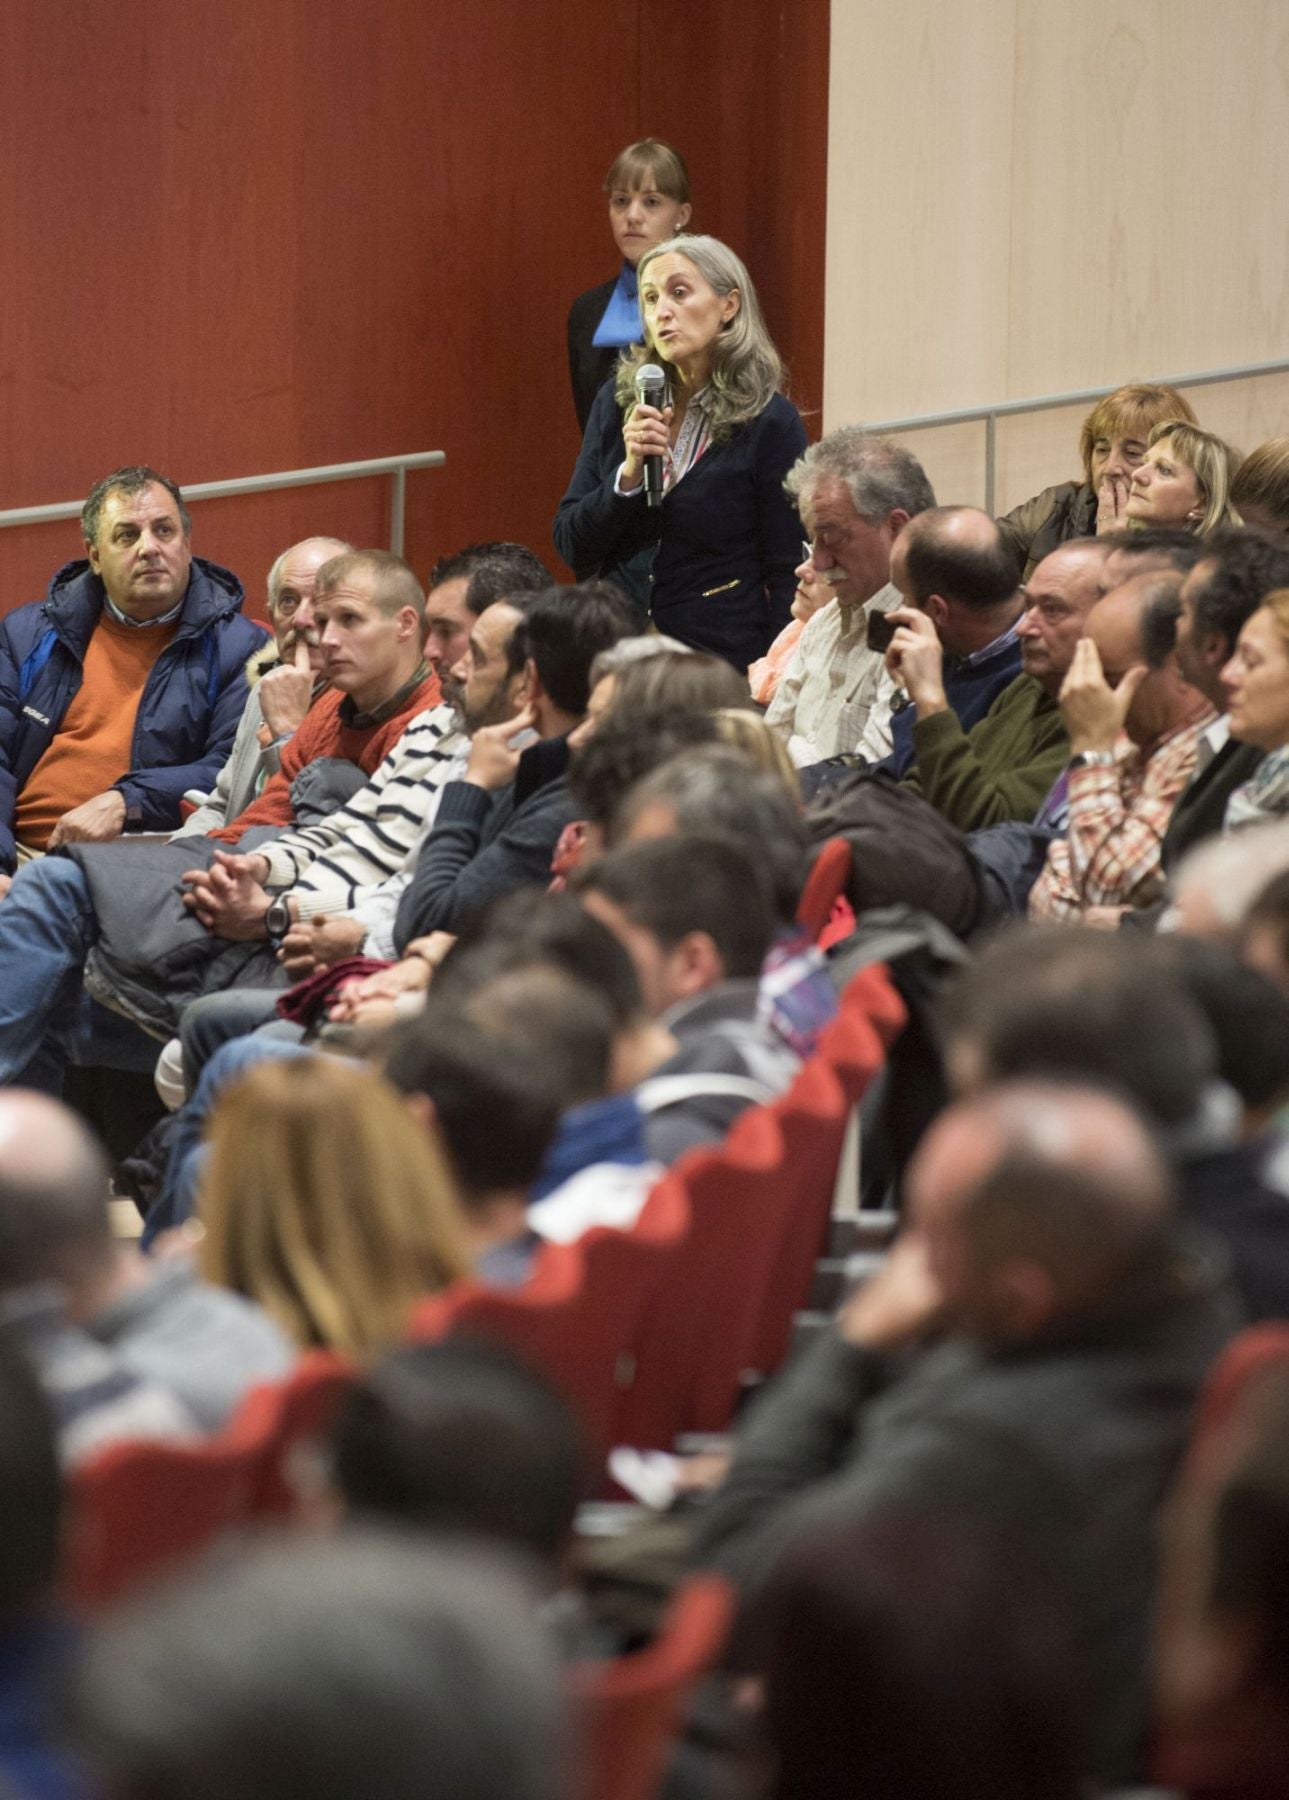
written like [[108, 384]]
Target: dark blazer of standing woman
[[714, 564]]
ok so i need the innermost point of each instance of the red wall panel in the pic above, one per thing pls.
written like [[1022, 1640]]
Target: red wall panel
[[260, 234]]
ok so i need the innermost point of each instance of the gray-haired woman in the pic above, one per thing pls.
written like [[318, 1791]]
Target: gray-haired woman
[[714, 563]]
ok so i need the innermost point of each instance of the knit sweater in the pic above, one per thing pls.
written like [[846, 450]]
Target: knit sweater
[[1001, 768], [368, 840], [326, 731]]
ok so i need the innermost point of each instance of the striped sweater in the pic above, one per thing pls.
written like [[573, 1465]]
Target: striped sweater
[[367, 841]]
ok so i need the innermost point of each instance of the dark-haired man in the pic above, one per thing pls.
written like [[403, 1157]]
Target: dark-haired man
[[696, 917], [123, 688], [1238, 569], [956, 646], [497, 827]]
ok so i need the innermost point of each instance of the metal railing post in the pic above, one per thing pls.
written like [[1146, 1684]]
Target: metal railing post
[[397, 508], [989, 414], [396, 466]]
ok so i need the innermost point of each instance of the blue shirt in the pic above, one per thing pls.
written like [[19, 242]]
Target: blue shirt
[[620, 321]]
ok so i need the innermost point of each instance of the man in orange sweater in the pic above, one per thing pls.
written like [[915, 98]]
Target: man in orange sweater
[[124, 686], [368, 612]]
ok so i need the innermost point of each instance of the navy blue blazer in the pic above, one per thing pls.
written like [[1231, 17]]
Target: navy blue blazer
[[713, 565]]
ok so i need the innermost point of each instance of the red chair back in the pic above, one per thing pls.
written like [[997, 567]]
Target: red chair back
[[1254, 1353], [292, 1418], [577, 1317], [138, 1509], [631, 1706], [825, 885], [759, 1209], [1209, 1750]]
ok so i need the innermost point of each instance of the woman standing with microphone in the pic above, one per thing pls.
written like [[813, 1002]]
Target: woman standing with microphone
[[678, 491]]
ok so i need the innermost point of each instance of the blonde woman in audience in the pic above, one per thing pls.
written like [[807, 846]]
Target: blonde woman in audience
[[747, 732], [1113, 440], [1184, 480], [1256, 685], [324, 1201], [1260, 491]]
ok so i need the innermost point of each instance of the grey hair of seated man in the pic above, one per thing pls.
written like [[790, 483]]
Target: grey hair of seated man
[[711, 791], [880, 476], [634, 650], [1217, 882], [360, 1664]]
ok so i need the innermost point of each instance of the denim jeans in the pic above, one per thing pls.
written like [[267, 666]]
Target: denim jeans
[[47, 928]]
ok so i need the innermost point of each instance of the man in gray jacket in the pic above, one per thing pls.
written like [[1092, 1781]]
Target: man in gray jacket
[[1072, 1329]]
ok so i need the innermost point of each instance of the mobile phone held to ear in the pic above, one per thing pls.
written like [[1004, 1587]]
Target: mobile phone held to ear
[[881, 630]]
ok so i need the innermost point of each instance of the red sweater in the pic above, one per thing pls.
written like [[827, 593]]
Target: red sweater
[[324, 733]]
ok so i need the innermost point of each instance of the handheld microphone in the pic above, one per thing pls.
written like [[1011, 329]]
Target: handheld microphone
[[651, 390]]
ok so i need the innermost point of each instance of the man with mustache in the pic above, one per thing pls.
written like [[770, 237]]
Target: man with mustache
[[855, 493]]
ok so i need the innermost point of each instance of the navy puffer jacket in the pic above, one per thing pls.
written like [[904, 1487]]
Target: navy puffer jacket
[[188, 711]]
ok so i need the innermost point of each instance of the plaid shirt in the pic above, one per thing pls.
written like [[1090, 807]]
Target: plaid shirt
[[1109, 856]]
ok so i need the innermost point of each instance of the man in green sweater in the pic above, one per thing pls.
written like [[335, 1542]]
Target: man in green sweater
[[1004, 766]]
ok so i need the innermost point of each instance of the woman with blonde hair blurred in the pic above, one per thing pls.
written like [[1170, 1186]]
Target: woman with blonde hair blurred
[[747, 732], [1113, 440], [1184, 480], [1260, 491], [325, 1202]]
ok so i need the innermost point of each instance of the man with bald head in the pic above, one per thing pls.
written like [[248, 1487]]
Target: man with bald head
[[956, 647], [284, 678], [1135, 726], [1001, 768], [1026, 1360], [125, 1347]]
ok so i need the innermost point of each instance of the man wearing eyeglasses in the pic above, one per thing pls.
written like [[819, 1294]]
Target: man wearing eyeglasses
[[855, 493]]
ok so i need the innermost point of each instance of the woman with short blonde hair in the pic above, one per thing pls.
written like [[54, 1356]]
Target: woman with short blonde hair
[[325, 1202], [1113, 439], [1184, 480]]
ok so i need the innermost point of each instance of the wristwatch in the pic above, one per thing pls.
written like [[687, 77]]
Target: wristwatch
[[1092, 759], [277, 918]]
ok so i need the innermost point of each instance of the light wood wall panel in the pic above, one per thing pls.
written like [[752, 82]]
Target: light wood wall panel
[[920, 115], [1026, 198]]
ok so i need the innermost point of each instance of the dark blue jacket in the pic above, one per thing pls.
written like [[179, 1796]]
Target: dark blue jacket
[[727, 537], [970, 689], [188, 712]]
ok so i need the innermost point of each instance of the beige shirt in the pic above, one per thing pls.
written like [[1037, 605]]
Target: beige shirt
[[824, 697]]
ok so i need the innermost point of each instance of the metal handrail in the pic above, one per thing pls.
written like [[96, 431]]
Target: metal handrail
[[1004, 409], [395, 467]]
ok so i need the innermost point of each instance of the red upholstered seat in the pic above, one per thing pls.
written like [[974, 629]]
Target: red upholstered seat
[[139, 1509], [293, 1417], [1203, 1753], [631, 1706], [759, 1209], [577, 1317]]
